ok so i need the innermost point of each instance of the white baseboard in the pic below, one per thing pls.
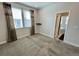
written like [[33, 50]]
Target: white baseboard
[[47, 35], [71, 43], [63, 41], [3, 42], [22, 36]]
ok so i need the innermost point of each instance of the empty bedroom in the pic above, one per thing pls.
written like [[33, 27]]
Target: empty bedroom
[[39, 28]]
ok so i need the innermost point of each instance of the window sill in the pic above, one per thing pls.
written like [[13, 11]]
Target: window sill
[[22, 28]]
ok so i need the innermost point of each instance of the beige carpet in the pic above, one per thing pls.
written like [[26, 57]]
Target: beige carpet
[[37, 45]]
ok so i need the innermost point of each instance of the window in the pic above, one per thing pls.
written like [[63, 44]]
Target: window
[[27, 18], [17, 16], [20, 19]]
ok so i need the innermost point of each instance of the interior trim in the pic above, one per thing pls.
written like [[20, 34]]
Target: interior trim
[[3, 42], [71, 43]]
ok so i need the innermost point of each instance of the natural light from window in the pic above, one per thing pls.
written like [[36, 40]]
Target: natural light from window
[[22, 18], [17, 16], [27, 18]]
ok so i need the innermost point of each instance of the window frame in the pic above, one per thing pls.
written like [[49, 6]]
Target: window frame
[[22, 15], [14, 19]]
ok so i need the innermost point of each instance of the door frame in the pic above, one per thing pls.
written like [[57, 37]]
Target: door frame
[[59, 14]]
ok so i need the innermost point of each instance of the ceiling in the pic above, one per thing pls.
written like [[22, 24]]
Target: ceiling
[[37, 5]]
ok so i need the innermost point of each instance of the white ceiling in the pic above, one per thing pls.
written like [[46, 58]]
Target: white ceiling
[[37, 4]]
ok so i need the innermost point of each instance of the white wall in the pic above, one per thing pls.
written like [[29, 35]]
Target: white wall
[[22, 32], [63, 22], [47, 17], [72, 36], [36, 21], [3, 27]]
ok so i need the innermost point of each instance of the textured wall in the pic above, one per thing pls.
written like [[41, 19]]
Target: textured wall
[[22, 32], [3, 26], [47, 18]]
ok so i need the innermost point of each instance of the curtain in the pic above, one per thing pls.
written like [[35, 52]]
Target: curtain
[[10, 22], [32, 22]]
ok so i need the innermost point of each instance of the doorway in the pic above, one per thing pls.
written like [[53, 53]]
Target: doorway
[[61, 25]]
